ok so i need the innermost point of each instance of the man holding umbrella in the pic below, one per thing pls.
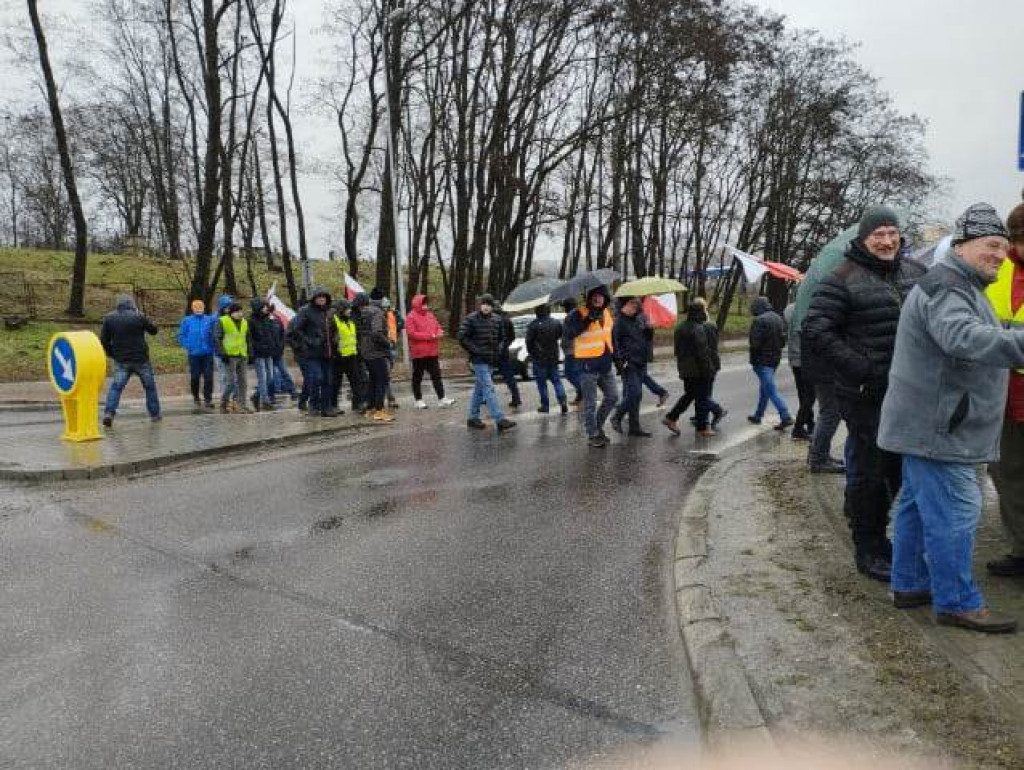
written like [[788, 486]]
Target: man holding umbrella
[[589, 330]]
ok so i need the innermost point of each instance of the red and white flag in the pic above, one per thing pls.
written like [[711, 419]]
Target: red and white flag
[[352, 288], [661, 311], [281, 311]]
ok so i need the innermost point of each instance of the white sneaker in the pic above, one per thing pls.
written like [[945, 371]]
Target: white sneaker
[[446, 402], [421, 404]]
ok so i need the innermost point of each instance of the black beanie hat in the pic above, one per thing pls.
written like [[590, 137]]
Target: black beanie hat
[[376, 295], [875, 217]]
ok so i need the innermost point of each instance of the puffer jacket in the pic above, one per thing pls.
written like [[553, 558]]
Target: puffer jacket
[[372, 327], [423, 330], [852, 321], [311, 333], [767, 335], [195, 334], [265, 332], [480, 337], [696, 347], [543, 338], [629, 340], [123, 334]]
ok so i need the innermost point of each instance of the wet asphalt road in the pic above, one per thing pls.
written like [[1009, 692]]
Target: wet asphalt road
[[427, 599]]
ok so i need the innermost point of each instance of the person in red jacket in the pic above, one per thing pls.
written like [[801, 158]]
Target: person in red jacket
[[425, 335]]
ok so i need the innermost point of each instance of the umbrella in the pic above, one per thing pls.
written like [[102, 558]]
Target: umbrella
[[530, 294], [583, 283], [645, 287]]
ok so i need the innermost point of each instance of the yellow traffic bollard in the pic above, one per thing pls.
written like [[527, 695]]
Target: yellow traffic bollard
[[78, 367]]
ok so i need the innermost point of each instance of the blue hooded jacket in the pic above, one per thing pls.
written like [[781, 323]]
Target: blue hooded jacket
[[195, 334]]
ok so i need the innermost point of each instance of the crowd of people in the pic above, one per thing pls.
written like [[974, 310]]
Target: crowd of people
[[917, 364]]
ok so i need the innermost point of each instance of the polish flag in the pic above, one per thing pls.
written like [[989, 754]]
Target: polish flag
[[661, 311], [755, 268], [281, 311], [352, 288]]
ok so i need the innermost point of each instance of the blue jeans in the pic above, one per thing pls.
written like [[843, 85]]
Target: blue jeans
[[593, 415], [633, 378], [265, 379], [508, 373], [768, 392], [936, 523], [572, 374], [282, 381], [483, 393], [122, 373], [316, 377], [543, 375], [652, 384], [200, 371]]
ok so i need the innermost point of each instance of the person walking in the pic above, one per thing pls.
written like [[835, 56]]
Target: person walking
[[505, 364], [480, 336], [543, 340], [851, 328], [767, 338], [123, 336], [569, 365], [311, 335], [695, 344], [267, 336], [425, 335], [375, 351], [630, 344], [346, 363], [195, 336], [648, 379], [589, 328], [234, 348], [1006, 294], [943, 412], [804, 427]]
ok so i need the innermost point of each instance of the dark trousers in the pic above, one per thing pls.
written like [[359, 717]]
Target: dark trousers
[[632, 395], [346, 367], [431, 366], [378, 391], [873, 478], [317, 378], [508, 373], [572, 374], [805, 395], [544, 374], [200, 372], [697, 391], [828, 423]]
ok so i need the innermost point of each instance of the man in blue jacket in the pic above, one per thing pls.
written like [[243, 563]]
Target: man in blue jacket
[[195, 335]]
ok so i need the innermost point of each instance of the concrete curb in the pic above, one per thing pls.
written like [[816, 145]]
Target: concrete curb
[[133, 467], [726, 704]]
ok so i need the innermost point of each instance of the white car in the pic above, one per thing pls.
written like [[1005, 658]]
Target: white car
[[517, 350]]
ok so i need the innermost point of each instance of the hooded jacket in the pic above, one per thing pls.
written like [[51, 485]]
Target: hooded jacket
[[265, 332], [372, 326], [577, 322], [851, 324], [695, 343], [123, 334], [543, 338], [767, 335], [423, 330], [630, 340], [947, 384], [311, 332], [195, 334]]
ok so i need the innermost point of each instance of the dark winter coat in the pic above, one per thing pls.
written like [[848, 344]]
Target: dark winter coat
[[480, 336], [696, 348], [629, 340], [508, 335], [311, 333], [852, 321], [123, 334], [372, 328], [767, 335], [543, 338], [266, 334]]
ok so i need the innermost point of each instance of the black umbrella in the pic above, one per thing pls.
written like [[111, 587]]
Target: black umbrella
[[531, 293], [583, 283]]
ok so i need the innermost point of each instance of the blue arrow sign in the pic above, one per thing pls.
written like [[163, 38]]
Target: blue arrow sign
[[62, 365]]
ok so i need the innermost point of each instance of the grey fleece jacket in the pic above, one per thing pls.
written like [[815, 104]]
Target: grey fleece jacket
[[947, 384]]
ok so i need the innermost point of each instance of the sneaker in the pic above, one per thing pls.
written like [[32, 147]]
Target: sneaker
[[753, 419], [908, 600], [716, 419], [707, 433], [662, 400], [505, 424], [421, 404], [830, 466], [446, 402], [787, 422], [383, 416], [616, 423], [1008, 566], [108, 420], [476, 424], [597, 441], [799, 434], [875, 567], [673, 428], [984, 620], [543, 410]]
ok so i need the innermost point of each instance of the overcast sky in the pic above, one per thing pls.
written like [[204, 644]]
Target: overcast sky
[[958, 64]]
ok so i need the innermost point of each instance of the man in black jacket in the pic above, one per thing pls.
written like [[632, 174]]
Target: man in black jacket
[[313, 338], [851, 328], [267, 337], [697, 359], [767, 338], [505, 363], [543, 341], [123, 336], [480, 336], [630, 345]]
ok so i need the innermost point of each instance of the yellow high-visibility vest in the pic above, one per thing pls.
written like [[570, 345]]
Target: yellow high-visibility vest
[[235, 337], [1000, 295], [596, 337], [348, 339]]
